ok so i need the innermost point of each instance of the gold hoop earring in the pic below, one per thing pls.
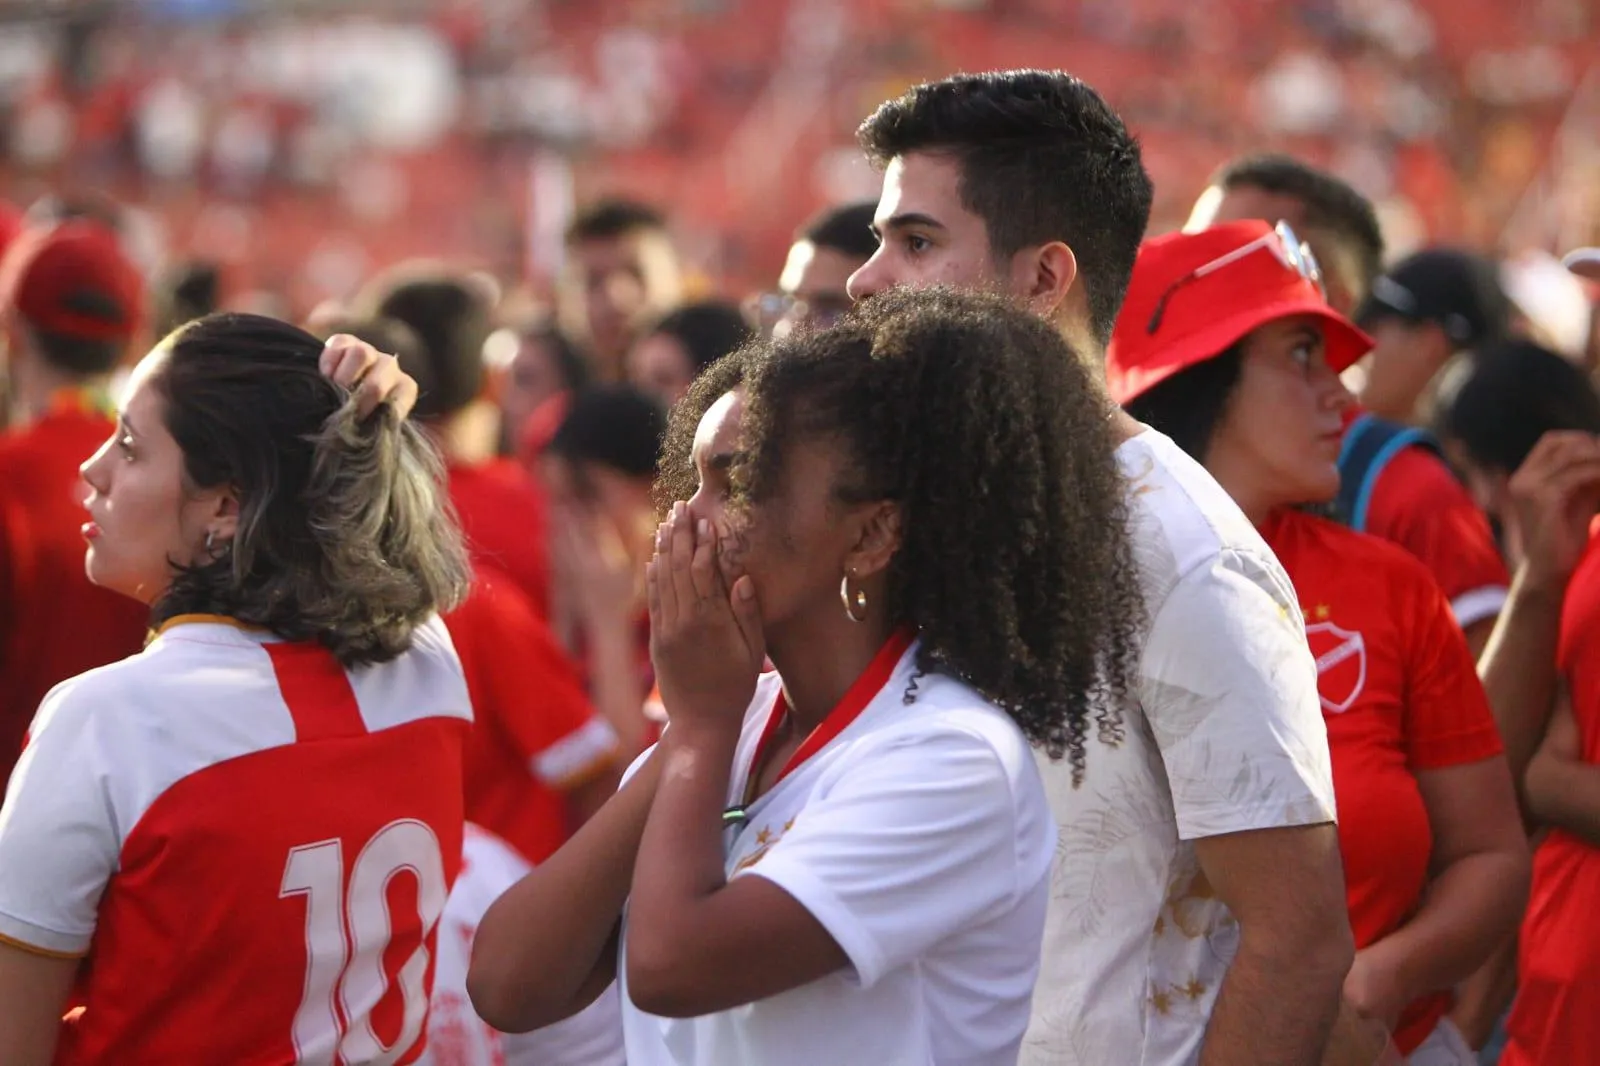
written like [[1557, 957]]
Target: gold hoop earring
[[855, 607]]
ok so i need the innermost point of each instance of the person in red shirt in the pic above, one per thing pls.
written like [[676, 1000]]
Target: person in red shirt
[[71, 303], [1403, 492], [236, 845], [1227, 345], [539, 760], [500, 509], [1523, 424]]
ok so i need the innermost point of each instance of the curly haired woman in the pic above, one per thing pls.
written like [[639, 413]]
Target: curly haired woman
[[861, 836]]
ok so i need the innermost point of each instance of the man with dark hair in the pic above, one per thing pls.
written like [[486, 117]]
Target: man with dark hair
[[1337, 221], [72, 306], [1395, 483], [500, 510], [621, 272], [1194, 918], [813, 288]]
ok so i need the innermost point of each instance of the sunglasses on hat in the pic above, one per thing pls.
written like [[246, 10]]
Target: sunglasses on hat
[[1281, 241]]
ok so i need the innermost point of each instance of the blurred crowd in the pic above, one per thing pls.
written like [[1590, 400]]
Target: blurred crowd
[[558, 216], [290, 148]]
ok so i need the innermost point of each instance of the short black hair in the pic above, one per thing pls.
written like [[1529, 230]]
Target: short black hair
[[451, 318], [611, 218], [1331, 205], [707, 330], [1498, 400], [846, 229], [615, 426], [1043, 158], [77, 356]]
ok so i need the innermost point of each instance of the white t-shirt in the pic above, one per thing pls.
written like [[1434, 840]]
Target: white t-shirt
[[921, 839], [1226, 735], [456, 1035]]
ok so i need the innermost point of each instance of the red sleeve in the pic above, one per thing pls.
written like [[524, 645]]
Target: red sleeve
[[525, 688], [1447, 717], [1418, 504]]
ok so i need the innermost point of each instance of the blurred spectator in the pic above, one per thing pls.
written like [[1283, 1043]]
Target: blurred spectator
[[501, 511], [600, 466], [622, 270], [188, 291], [1339, 223], [1523, 425], [682, 343], [1426, 309], [544, 362], [71, 303], [826, 251]]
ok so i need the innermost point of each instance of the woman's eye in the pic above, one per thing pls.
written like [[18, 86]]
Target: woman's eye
[[125, 445]]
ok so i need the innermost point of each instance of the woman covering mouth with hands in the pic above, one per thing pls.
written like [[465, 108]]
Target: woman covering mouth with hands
[[918, 517]]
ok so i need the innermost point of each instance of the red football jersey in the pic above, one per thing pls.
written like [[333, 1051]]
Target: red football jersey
[[502, 514], [535, 735], [250, 846], [1556, 1017], [1400, 694], [54, 624], [1418, 504]]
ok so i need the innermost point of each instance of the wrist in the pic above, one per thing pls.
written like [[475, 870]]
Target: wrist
[[1539, 585]]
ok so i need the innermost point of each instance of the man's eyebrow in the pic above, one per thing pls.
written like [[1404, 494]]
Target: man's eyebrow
[[910, 218]]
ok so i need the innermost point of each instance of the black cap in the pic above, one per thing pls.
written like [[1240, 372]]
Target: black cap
[[613, 425], [1457, 290]]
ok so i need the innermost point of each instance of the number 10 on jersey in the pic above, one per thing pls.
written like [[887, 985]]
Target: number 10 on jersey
[[348, 929]]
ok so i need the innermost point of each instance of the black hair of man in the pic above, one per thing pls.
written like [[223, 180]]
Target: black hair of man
[[612, 218], [1043, 158], [846, 230], [1331, 204]]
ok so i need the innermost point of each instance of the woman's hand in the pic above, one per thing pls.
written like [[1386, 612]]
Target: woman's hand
[[1374, 989], [705, 639], [374, 377]]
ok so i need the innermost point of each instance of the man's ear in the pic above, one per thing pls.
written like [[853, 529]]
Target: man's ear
[[877, 541], [1043, 276]]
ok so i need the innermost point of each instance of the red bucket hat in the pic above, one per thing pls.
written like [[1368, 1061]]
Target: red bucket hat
[[1194, 295]]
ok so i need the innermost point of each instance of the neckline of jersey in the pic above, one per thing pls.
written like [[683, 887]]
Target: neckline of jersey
[[201, 618], [850, 707]]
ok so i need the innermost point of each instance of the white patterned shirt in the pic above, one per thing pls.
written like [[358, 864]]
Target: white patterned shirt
[[1226, 735]]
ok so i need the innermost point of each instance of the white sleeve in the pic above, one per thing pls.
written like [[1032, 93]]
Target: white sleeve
[[927, 836], [1229, 687], [58, 838]]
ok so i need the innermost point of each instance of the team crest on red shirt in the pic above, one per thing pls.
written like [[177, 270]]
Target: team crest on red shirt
[[1341, 664]]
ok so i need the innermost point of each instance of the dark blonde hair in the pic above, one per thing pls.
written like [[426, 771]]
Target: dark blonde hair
[[345, 533]]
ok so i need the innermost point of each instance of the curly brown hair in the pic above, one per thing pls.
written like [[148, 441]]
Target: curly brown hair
[[997, 443]]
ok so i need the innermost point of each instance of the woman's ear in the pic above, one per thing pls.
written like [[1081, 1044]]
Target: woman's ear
[[222, 519], [878, 540]]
